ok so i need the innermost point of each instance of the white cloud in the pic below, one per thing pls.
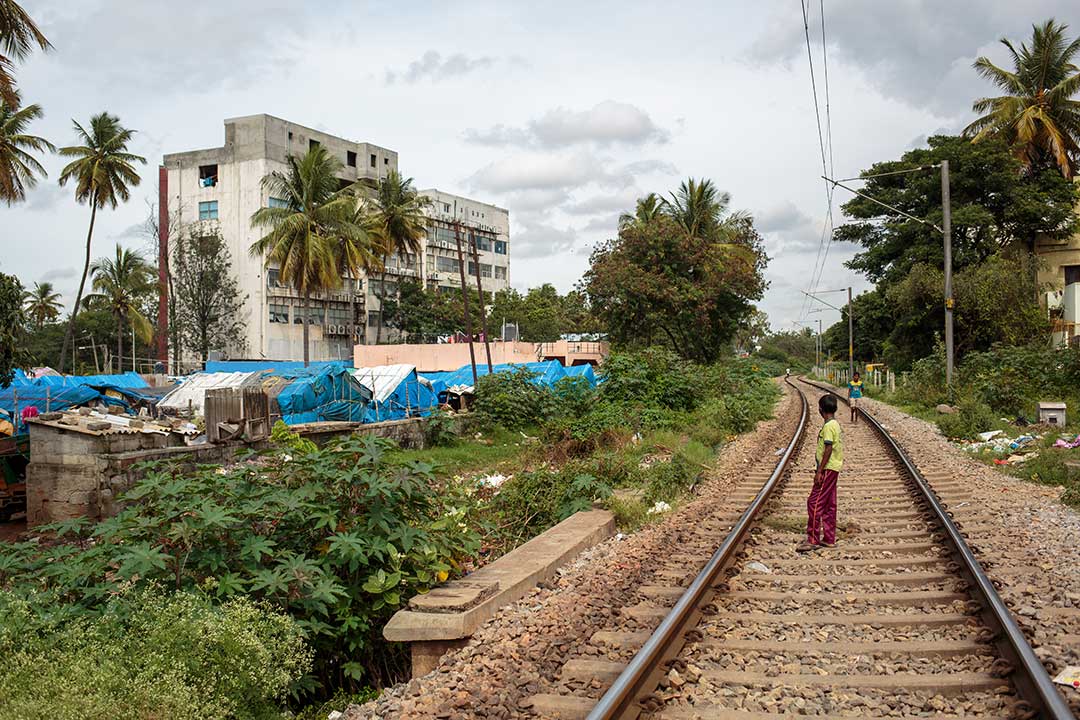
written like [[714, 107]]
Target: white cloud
[[542, 240], [432, 66], [606, 123], [540, 171]]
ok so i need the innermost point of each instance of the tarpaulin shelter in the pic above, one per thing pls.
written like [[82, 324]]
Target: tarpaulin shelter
[[191, 392], [128, 379], [582, 371], [317, 395], [271, 365], [15, 399], [397, 392], [460, 381]]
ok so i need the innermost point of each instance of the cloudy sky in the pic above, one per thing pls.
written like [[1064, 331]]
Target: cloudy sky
[[562, 112]]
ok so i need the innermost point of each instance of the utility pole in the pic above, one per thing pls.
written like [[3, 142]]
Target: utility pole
[[819, 348], [850, 338], [465, 297], [946, 230], [480, 290]]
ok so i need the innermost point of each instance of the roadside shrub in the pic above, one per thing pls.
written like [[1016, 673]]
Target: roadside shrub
[[971, 417], [439, 431], [573, 397], [152, 656], [542, 498], [512, 400], [337, 538], [652, 378]]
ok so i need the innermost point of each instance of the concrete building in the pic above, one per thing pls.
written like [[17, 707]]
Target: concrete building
[[218, 189]]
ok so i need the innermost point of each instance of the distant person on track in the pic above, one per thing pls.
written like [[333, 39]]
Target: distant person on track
[[821, 505], [854, 393]]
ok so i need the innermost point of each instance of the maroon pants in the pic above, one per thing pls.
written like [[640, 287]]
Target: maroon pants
[[821, 510]]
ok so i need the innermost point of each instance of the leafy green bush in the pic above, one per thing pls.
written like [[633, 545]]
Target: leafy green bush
[[971, 417], [336, 537], [152, 655], [653, 378], [512, 399], [439, 431], [540, 499], [573, 397]]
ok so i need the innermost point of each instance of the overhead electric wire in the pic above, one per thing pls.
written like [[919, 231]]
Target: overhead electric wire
[[887, 174], [821, 139], [828, 138]]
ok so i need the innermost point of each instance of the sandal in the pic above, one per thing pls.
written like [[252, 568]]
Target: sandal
[[805, 546]]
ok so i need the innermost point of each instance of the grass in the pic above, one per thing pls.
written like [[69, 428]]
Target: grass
[[499, 450]]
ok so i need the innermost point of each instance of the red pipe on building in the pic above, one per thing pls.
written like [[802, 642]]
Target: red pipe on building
[[163, 267]]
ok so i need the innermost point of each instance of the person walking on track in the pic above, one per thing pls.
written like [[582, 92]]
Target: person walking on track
[[821, 505], [854, 393]]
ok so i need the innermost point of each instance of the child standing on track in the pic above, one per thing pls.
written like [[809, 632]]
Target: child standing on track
[[821, 505], [854, 393]]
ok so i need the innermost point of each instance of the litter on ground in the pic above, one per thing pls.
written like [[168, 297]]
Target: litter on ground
[[659, 507]]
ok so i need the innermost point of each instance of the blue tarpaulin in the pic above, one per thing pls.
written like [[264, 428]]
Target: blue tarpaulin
[[43, 398], [126, 380], [545, 373], [582, 371], [320, 394], [274, 365], [398, 392]]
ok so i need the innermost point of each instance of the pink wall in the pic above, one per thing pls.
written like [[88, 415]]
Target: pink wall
[[451, 356]]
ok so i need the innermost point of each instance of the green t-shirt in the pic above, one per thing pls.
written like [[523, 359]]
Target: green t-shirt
[[830, 434]]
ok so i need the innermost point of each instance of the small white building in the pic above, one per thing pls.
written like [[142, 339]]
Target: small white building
[[220, 188]]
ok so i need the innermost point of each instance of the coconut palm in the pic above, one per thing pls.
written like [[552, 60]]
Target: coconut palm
[[698, 208], [42, 303], [121, 285], [1037, 115], [18, 36], [398, 222], [18, 167], [102, 170], [647, 208], [314, 233]]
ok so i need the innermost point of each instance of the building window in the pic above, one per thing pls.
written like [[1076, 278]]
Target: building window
[[485, 270], [386, 161], [500, 247], [373, 160], [350, 158], [312, 144], [290, 136], [279, 313], [1072, 273], [500, 272], [373, 318], [276, 202], [338, 315], [445, 264], [446, 207], [208, 175], [273, 278], [208, 210], [315, 315], [482, 243]]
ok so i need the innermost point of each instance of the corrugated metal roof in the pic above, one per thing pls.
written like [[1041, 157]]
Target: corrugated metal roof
[[383, 380], [192, 391]]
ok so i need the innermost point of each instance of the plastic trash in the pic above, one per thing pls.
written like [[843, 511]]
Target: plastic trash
[[659, 507], [990, 435], [758, 567]]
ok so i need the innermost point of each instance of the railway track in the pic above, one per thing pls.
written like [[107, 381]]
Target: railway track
[[898, 620]]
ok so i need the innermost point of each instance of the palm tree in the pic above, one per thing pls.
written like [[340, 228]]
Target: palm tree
[[314, 233], [1037, 115], [102, 170], [398, 223], [42, 303], [698, 208], [647, 208], [121, 285], [18, 35], [18, 167]]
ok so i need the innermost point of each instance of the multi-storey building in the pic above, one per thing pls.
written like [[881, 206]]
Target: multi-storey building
[[218, 190]]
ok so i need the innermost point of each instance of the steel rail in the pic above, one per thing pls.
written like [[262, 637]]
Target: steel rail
[[1033, 684], [621, 699]]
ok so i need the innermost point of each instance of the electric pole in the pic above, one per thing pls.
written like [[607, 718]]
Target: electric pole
[[480, 290], [946, 230], [465, 297], [850, 338]]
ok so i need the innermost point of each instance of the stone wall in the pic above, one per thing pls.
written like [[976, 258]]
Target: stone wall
[[79, 474]]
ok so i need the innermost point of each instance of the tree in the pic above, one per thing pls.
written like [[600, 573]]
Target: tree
[[994, 206], [209, 311], [647, 208], [398, 219], [121, 285], [753, 327], [12, 328], [42, 304], [102, 170], [1037, 115], [306, 238], [18, 36], [659, 281], [697, 207], [18, 167]]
